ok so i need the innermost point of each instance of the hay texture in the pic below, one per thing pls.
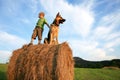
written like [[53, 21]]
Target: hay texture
[[42, 62]]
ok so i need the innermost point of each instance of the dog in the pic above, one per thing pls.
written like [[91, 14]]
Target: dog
[[52, 37]]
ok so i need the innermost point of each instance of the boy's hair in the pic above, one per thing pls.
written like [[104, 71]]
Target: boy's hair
[[42, 13]]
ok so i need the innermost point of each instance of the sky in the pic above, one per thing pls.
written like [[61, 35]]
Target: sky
[[92, 27]]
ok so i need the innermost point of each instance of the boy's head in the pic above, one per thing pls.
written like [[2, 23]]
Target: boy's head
[[41, 15]]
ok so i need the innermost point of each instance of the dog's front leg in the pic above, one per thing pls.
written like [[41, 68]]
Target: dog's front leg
[[57, 30], [57, 40], [51, 37]]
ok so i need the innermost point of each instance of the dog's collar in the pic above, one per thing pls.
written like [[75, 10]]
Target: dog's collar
[[54, 25]]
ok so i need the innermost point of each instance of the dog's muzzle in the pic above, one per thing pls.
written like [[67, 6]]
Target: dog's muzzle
[[61, 21]]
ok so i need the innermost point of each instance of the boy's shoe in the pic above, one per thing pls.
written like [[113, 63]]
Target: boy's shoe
[[39, 42]]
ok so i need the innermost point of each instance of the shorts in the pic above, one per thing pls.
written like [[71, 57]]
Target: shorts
[[37, 32]]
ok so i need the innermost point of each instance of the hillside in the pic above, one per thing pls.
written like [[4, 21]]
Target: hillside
[[81, 63]]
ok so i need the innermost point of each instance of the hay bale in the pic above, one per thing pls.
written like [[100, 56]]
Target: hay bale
[[42, 62]]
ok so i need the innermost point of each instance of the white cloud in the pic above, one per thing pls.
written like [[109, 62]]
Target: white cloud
[[107, 25], [113, 43], [83, 22], [113, 36], [111, 49], [4, 56], [79, 17], [89, 50], [10, 40], [101, 54], [111, 19], [106, 31], [106, 35], [101, 32], [8, 43]]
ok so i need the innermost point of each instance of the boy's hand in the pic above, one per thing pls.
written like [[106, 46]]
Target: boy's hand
[[49, 27]]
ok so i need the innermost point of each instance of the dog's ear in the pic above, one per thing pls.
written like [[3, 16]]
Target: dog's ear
[[58, 14]]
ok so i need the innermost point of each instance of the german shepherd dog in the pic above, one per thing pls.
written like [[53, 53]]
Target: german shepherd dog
[[54, 29]]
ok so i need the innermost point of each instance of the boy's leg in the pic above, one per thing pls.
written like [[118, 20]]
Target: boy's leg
[[33, 36], [40, 31]]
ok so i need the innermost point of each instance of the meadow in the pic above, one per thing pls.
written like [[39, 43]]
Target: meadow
[[80, 73], [3, 70], [96, 74]]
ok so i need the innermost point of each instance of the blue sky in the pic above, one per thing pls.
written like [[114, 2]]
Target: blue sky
[[92, 27]]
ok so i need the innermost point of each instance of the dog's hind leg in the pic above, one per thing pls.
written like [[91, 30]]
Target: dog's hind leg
[[46, 41]]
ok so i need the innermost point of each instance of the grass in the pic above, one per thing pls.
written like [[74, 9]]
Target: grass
[[80, 73], [96, 74], [3, 70]]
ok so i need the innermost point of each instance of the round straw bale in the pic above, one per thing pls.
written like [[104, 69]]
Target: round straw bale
[[42, 62]]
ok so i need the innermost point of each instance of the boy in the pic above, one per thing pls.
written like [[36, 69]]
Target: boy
[[39, 28]]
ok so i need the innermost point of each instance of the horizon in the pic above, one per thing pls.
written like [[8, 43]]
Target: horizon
[[92, 28]]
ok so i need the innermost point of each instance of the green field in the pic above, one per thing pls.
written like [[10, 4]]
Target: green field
[[80, 73], [3, 69], [96, 74]]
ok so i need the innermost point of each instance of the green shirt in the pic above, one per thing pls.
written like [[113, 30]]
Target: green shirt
[[41, 23]]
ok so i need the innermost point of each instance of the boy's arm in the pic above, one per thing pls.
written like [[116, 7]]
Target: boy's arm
[[47, 25]]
